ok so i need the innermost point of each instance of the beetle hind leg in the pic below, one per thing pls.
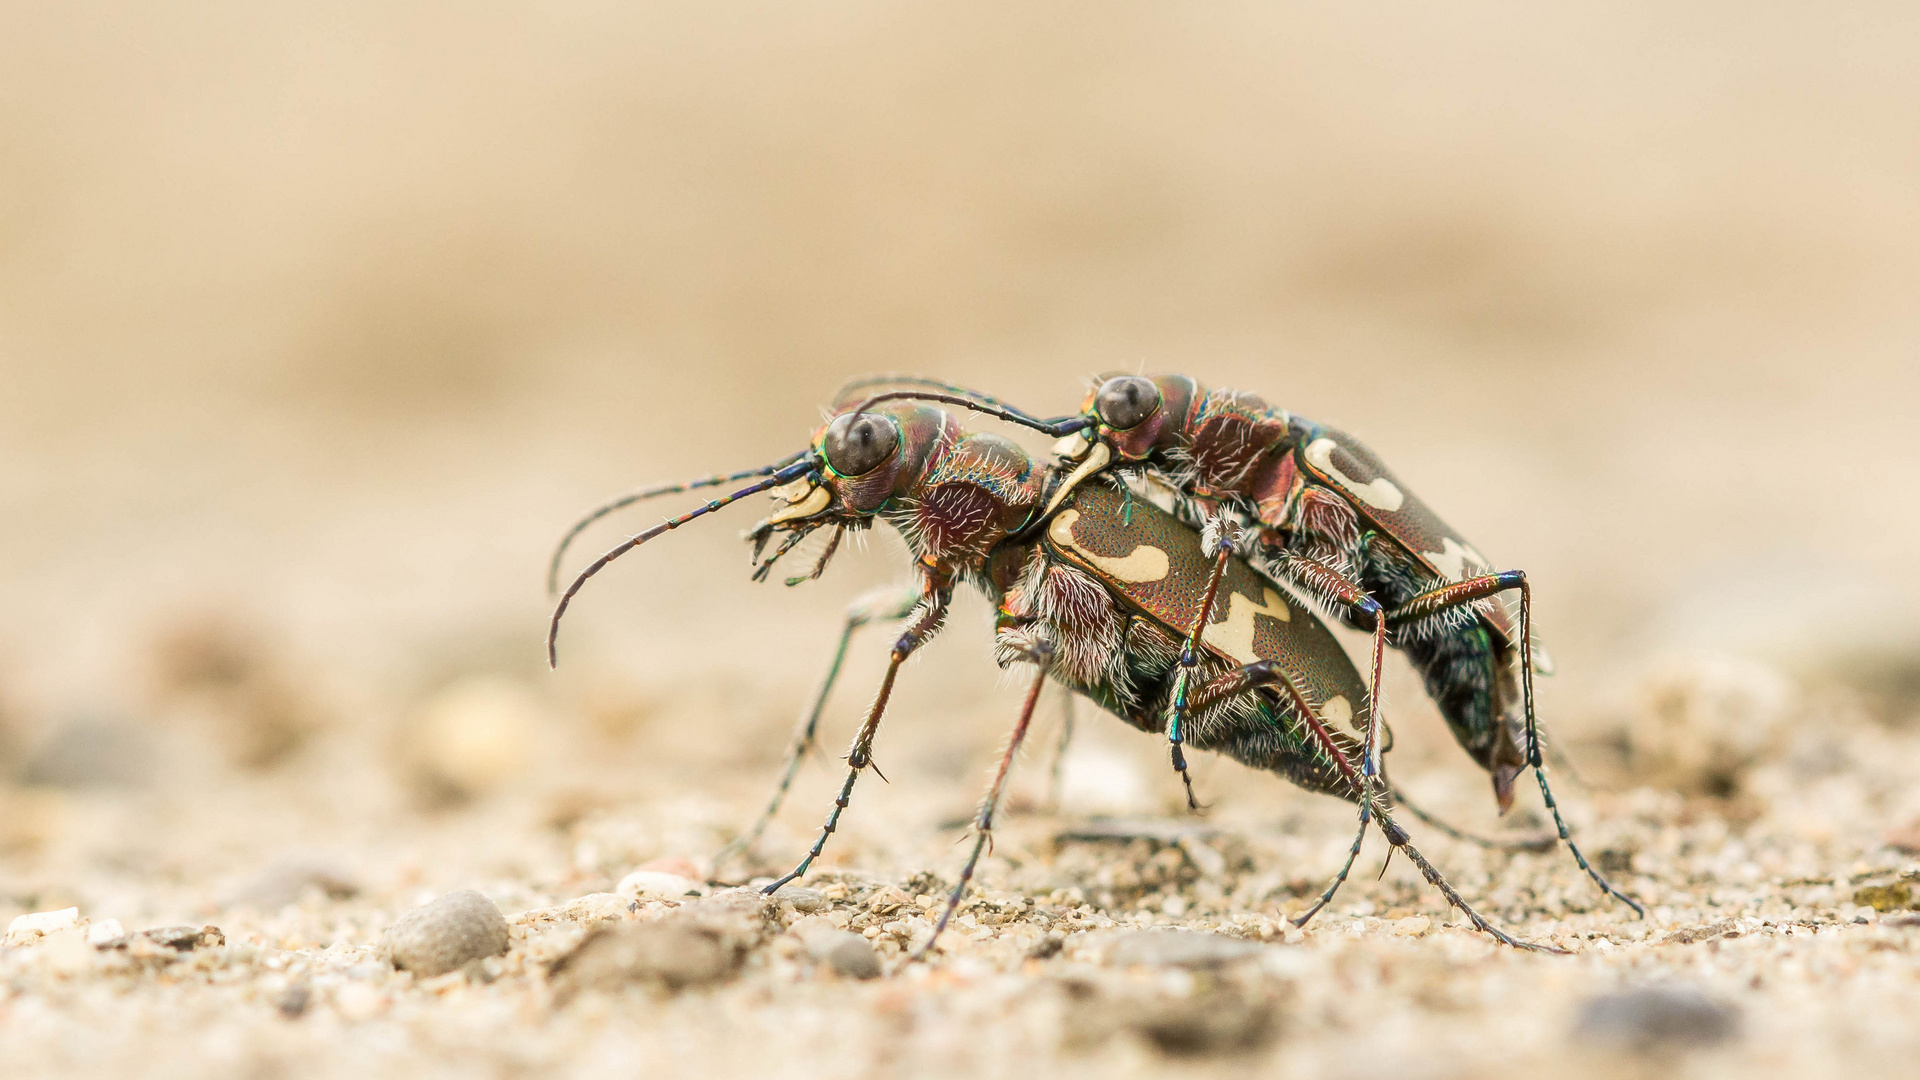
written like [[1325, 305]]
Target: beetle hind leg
[[1335, 773], [1472, 591]]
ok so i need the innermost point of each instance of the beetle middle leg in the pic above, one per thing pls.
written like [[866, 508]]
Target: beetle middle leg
[[936, 592], [887, 604], [1470, 591], [1217, 540]]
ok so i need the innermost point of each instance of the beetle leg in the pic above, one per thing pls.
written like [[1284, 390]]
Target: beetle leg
[[1471, 591], [886, 604], [936, 590], [1218, 536], [1267, 673], [983, 824], [1336, 588]]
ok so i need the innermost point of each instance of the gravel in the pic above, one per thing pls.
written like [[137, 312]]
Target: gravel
[[446, 934]]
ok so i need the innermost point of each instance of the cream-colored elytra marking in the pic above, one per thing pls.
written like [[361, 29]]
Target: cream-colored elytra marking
[[1234, 634], [814, 502], [1378, 493], [1455, 559], [1338, 713], [1096, 460], [1144, 564]]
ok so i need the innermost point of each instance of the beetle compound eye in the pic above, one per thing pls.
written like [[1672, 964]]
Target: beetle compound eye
[[860, 444], [1125, 401]]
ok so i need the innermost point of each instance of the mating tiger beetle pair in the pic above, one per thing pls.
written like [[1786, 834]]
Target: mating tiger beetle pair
[[1152, 566]]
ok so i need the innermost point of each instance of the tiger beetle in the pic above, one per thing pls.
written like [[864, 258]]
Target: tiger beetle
[[1323, 513], [1094, 587]]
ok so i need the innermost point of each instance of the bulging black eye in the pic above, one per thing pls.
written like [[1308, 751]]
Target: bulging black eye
[[859, 444], [1125, 401]]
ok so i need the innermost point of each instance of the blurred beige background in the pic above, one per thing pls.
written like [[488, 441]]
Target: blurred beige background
[[318, 324], [325, 319]]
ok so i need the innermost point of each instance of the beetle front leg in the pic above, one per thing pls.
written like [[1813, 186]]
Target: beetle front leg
[[1471, 591], [890, 603], [936, 591]]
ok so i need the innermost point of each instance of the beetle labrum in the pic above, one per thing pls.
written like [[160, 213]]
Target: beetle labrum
[[1323, 513], [1093, 587]]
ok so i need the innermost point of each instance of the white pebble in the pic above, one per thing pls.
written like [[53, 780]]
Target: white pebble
[[658, 885], [105, 932], [40, 923]]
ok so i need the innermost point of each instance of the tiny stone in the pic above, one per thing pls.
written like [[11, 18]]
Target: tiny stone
[[185, 938], [1657, 1018], [657, 885], [1048, 947], [444, 935], [806, 900], [846, 953], [1893, 897], [106, 933], [36, 924], [293, 1001]]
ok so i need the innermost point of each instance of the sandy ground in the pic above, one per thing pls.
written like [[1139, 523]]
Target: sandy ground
[[316, 328]]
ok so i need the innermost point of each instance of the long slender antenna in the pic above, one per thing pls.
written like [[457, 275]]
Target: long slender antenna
[[623, 501], [1066, 425], [791, 472], [894, 378]]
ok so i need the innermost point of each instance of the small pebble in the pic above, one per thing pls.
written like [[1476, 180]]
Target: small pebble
[[658, 885], [1656, 1018], [846, 953], [185, 938], [444, 935], [293, 1001], [106, 933], [29, 927], [1894, 897], [808, 901], [1412, 925]]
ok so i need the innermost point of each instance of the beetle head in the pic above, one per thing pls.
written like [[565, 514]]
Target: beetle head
[[1134, 416]]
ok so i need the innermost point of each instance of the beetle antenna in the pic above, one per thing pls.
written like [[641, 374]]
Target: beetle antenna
[[894, 378], [1064, 426], [631, 497], [791, 472]]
